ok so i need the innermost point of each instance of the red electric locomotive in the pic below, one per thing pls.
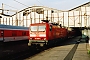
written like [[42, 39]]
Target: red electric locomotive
[[13, 33], [45, 33]]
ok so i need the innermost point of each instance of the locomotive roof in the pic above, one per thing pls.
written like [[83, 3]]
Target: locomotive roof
[[55, 24], [12, 27]]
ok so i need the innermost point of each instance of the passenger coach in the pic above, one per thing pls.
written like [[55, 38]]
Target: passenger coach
[[13, 33]]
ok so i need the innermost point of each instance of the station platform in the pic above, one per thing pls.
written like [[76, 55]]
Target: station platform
[[82, 51], [65, 52]]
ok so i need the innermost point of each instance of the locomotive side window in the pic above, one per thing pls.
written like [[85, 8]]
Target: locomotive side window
[[50, 27]]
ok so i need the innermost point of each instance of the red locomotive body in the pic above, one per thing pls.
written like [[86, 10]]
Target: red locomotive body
[[46, 33], [13, 33]]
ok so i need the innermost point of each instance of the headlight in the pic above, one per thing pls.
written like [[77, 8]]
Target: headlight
[[44, 38]]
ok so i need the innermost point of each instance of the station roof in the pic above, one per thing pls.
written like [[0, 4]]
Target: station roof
[[76, 8], [43, 7]]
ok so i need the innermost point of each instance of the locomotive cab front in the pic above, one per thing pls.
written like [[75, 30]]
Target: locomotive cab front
[[37, 34]]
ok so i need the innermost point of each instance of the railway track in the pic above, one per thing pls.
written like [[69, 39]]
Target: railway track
[[32, 52], [21, 54]]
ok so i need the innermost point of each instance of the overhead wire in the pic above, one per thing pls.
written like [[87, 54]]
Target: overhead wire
[[39, 2], [21, 3], [10, 6]]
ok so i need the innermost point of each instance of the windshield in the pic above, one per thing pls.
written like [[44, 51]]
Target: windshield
[[34, 28], [37, 28], [41, 28]]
